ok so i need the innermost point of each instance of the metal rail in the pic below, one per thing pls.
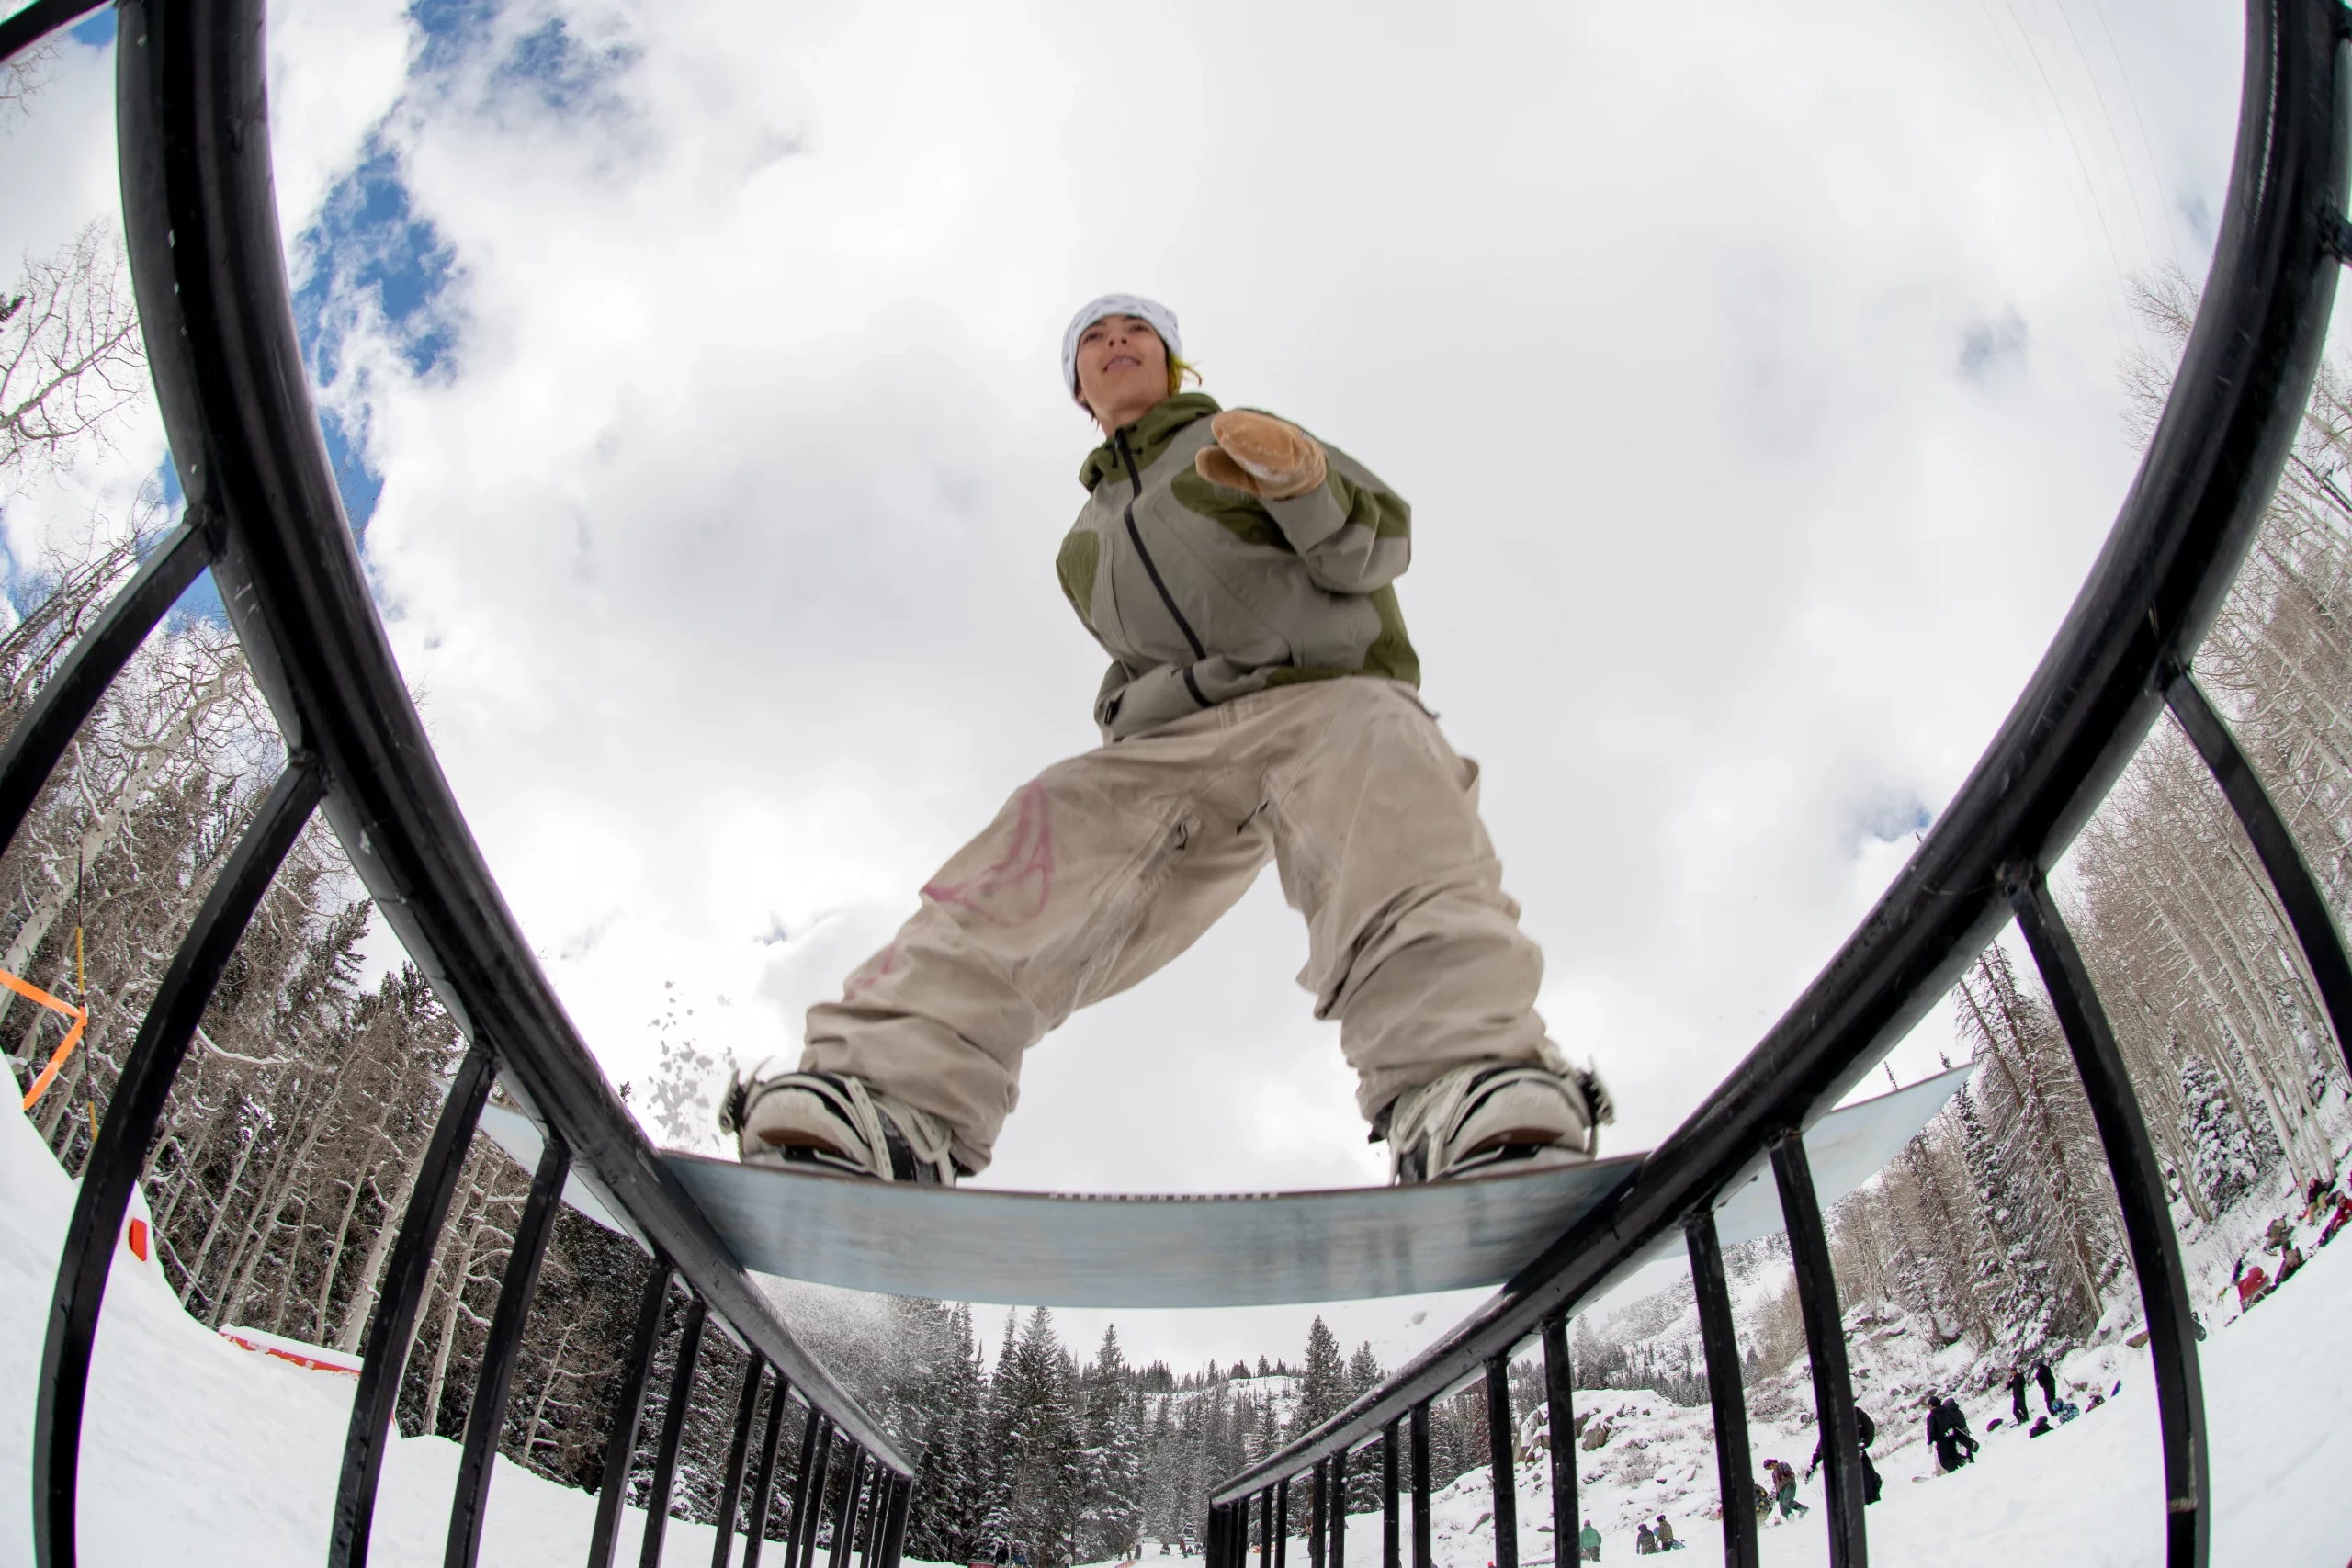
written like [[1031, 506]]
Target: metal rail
[[264, 516], [2119, 657]]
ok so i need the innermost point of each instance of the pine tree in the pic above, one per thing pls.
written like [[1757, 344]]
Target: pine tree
[[1111, 1520], [1324, 1391], [1033, 1431], [2225, 1158]]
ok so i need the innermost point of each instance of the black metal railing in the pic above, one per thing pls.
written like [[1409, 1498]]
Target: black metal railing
[[2121, 657], [264, 516]]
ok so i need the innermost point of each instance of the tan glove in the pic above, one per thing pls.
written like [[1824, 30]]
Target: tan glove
[[1271, 458]]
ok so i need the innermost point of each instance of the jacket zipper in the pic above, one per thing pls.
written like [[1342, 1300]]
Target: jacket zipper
[[1151, 569]]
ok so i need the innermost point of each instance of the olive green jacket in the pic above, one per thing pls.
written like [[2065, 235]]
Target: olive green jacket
[[1200, 593]]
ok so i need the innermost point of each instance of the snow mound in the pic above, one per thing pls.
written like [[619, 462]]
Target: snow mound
[[204, 1454]]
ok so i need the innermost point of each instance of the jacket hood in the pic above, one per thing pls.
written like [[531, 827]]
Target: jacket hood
[[1148, 437]]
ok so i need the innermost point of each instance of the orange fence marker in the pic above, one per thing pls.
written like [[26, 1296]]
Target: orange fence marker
[[81, 1017]]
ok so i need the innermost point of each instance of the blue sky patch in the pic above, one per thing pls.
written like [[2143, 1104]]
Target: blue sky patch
[[567, 75], [369, 247], [95, 30]]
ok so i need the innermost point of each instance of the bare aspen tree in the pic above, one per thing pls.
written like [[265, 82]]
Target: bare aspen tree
[[23, 76], [70, 360]]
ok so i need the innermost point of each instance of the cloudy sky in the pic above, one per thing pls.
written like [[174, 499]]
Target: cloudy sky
[[692, 367]]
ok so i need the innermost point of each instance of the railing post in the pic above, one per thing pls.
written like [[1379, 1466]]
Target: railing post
[[1266, 1528], [1417, 1427], [629, 1414], [1560, 1418], [894, 1543], [870, 1528], [1317, 1525], [673, 1429], [486, 1417], [755, 1523], [845, 1514], [739, 1452], [1824, 1334], [119, 1149], [2307, 911], [1338, 1558], [1735, 1467], [1391, 1545], [2145, 1203], [1282, 1523], [1499, 1459], [808, 1495], [384, 1355]]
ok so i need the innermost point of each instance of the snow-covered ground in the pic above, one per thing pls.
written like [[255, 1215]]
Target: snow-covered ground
[[197, 1452], [2088, 1494]]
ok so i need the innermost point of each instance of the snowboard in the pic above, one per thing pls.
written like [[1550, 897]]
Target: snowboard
[[1063, 1249]]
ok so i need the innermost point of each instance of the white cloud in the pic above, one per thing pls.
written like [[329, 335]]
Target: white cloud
[[721, 545]]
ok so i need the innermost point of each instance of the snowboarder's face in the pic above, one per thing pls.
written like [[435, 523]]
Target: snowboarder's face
[[1122, 370]]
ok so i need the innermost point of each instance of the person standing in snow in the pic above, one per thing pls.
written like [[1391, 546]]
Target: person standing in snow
[[1665, 1541], [1589, 1543], [1260, 705], [2017, 1397], [1784, 1482], [1645, 1541], [2049, 1386], [1865, 1432]]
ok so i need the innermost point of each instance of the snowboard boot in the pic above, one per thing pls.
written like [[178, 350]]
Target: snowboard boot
[[1487, 1117], [832, 1123]]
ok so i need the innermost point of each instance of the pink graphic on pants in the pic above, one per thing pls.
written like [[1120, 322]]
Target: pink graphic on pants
[[1013, 892]]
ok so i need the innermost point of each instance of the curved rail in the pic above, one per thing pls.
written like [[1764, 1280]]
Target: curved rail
[[264, 514], [2155, 589]]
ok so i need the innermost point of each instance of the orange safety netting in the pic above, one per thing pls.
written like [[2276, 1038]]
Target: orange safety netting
[[81, 1017]]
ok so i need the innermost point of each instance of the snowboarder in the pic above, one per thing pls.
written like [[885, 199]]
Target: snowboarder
[[2016, 1395], [1588, 1542], [1260, 705], [1948, 1431], [1784, 1482], [1665, 1541], [2049, 1385], [1866, 1430]]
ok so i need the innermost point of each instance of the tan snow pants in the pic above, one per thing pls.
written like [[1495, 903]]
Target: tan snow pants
[[1106, 866]]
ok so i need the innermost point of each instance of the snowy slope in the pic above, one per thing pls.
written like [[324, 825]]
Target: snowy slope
[[199, 1453], [2278, 1391]]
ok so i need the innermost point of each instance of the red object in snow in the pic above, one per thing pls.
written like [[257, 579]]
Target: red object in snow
[[138, 1239], [2251, 1285]]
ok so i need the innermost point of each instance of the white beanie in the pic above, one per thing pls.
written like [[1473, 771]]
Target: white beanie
[[1163, 320]]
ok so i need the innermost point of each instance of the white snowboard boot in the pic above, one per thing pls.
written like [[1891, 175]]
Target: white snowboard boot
[[832, 1123], [1488, 1117]]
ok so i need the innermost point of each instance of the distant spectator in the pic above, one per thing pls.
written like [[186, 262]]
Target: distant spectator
[[1645, 1543], [2017, 1397], [2041, 1424], [1665, 1541], [1589, 1543], [1784, 1490], [2049, 1385]]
